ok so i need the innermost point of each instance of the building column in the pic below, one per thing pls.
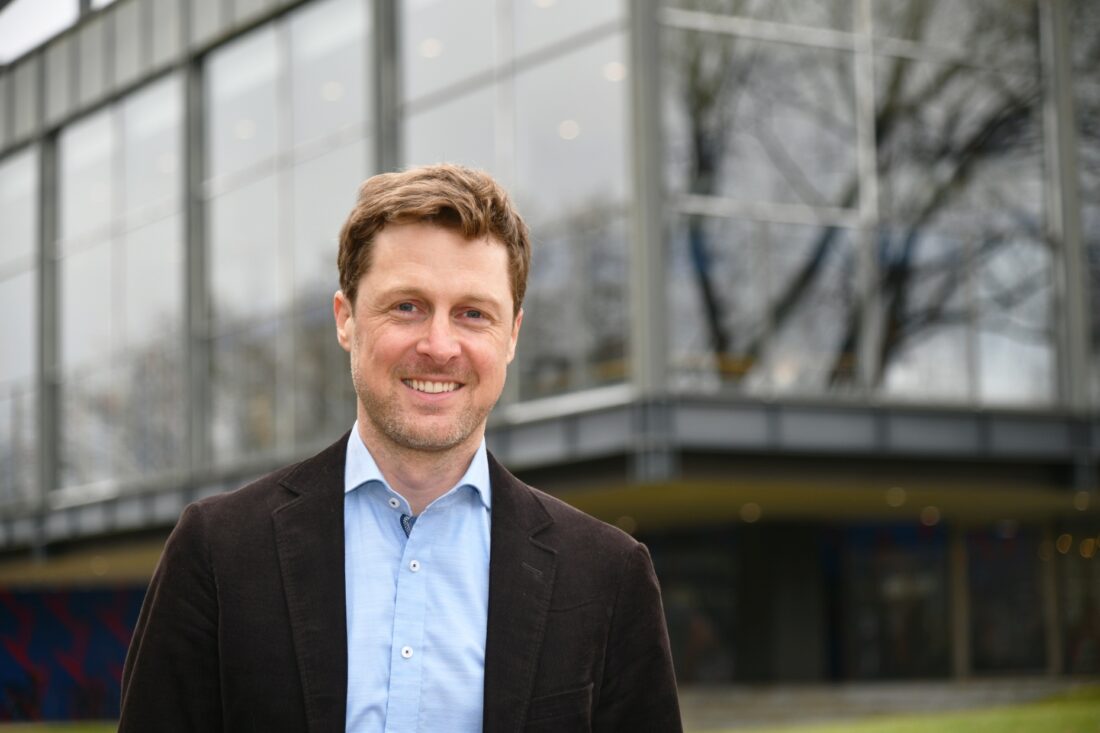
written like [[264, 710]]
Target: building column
[[1048, 587]]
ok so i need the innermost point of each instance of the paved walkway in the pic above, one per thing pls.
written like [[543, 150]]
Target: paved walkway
[[744, 707]]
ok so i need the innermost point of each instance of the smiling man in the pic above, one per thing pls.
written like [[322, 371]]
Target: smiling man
[[402, 580]]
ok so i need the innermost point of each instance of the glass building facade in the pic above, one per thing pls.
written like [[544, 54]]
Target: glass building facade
[[814, 308]]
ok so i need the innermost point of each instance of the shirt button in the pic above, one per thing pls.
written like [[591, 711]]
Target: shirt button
[[394, 503], [414, 565], [406, 651]]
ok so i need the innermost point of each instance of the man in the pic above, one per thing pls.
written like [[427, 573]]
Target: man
[[402, 580]]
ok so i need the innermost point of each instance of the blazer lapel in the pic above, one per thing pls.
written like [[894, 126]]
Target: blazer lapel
[[521, 580], [309, 536]]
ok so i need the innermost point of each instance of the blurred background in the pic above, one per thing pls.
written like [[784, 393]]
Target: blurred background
[[814, 310]]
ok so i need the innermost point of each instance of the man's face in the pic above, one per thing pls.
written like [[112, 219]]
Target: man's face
[[430, 336]]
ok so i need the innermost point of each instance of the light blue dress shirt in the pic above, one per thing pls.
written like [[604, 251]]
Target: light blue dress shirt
[[417, 606]]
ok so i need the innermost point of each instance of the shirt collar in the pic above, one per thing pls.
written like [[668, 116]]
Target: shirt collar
[[360, 468]]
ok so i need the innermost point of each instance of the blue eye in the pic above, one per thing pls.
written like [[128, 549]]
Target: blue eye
[[406, 307], [474, 314]]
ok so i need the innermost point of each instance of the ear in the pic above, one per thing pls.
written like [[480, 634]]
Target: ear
[[343, 312], [514, 338]]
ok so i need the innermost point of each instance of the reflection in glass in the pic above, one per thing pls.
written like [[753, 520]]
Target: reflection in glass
[[18, 327], [19, 208], [324, 400], [923, 350], [153, 168], [571, 137], [328, 47], [241, 103], [244, 254], [151, 395], [575, 328], [964, 270], [1085, 54], [443, 42], [324, 193], [542, 23], [243, 399], [1003, 33], [771, 307], [153, 285], [88, 323], [461, 131], [86, 151], [90, 426], [834, 14], [759, 121], [18, 442], [1080, 598]]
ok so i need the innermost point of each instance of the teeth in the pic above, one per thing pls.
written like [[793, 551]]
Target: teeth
[[431, 387]]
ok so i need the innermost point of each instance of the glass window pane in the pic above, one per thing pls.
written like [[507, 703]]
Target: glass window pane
[[328, 67], [771, 307], [324, 399], [960, 156], [999, 32], [541, 23], [241, 106], [836, 14], [575, 325], [1016, 337], [571, 137], [19, 208], [324, 194], [244, 255], [18, 442], [89, 426], [443, 42], [18, 327], [153, 286], [1085, 53], [152, 406], [461, 131], [87, 327], [152, 122], [924, 347], [244, 393], [87, 173], [760, 121]]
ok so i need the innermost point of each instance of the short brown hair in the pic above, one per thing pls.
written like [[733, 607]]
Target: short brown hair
[[467, 201]]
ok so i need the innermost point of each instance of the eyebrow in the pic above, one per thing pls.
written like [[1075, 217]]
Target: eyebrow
[[416, 293]]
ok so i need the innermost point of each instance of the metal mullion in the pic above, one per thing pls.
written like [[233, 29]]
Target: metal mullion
[[761, 30], [867, 153], [285, 407], [196, 331], [1063, 202], [386, 72], [654, 454], [47, 377]]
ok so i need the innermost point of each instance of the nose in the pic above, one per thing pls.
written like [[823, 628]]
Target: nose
[[439, 342]]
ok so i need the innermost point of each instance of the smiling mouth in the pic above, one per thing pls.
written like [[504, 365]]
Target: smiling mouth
[[421, 385]]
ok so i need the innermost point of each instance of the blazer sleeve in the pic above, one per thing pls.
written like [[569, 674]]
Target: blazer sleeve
[[170, 680], [638, 692]]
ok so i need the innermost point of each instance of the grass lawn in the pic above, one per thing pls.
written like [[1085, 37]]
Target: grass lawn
[[1076, 712]]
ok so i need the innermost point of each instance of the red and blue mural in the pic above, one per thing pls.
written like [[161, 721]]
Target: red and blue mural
[[61, 652]]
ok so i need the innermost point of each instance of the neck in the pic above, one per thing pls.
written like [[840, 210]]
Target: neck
[[419, 476]]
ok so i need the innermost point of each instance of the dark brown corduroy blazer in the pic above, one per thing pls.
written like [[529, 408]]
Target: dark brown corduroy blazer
[[243, 627]]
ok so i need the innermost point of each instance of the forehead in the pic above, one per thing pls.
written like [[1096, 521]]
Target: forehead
[[430, 256]]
